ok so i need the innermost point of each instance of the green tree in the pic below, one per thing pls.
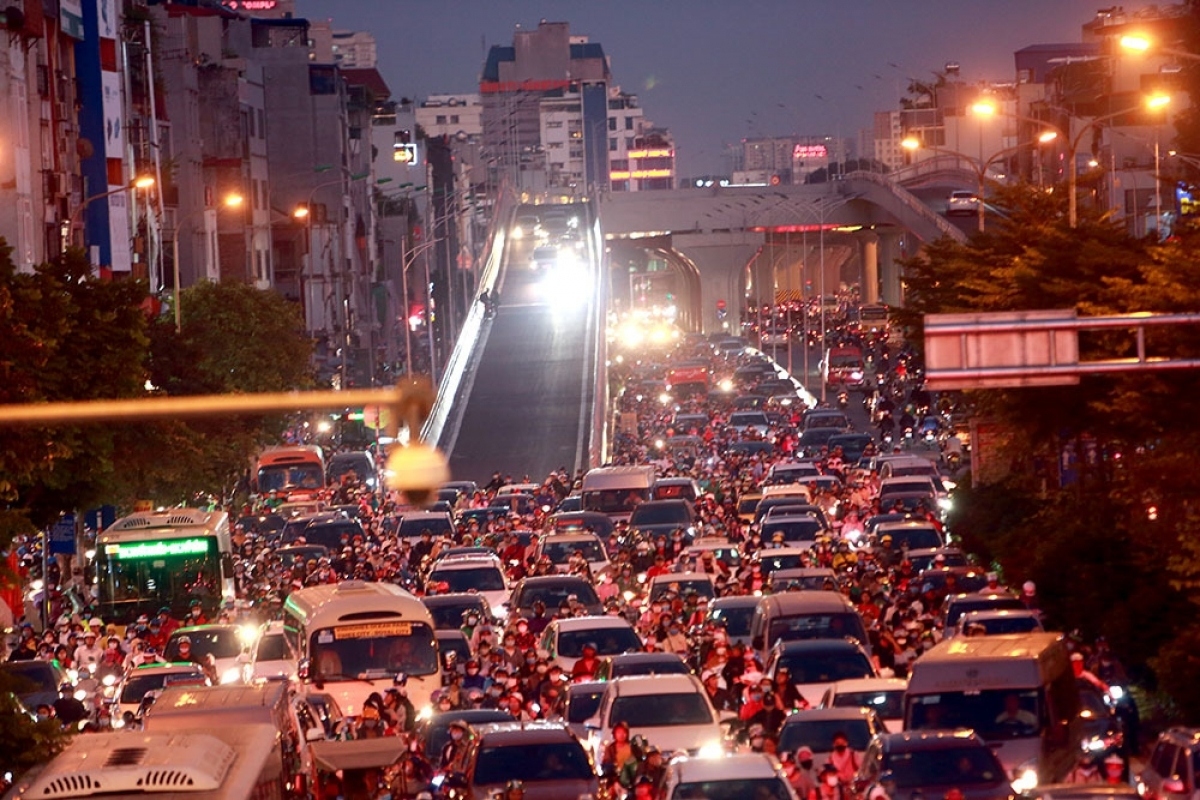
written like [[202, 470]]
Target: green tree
[[24, 742], [1112, 552]]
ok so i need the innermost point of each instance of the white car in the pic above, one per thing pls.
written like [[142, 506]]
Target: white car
[[560, 547], [271, 657], [151, 678], [564, 639], [671, 711], [963, 203], [740, 775], [483, 575], [884, 695]]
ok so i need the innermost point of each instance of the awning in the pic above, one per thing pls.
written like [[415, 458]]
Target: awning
[[359, 754]]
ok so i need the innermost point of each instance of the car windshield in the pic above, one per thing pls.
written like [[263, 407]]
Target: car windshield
[[610, 501], [962, 606], [583, 705], [532, 763], [742, 419], [793, 530], [992, 713], [736, 619], [666, 666], [1000, 625], [659, 710], [554, 594], [956, 766], [809, 667], [272, 647], [704, 588], [655, 514], [608, 641], [356, 651], [450, 616], [481, 579], [220, 643], [913, 538], [889, 705], [561, 552], [771, 563], [38, 674], [733, 789], [818, 734], [137, 686]]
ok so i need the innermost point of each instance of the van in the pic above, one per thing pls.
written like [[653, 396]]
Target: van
[[804, 615], [1017, 692], [616, 491]]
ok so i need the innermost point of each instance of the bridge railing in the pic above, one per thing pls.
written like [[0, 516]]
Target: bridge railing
[[909, 200], [598, 436]]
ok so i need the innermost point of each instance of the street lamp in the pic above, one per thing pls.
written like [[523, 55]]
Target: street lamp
[[1153, 102], [140, 182], [231, 200], [1139, 44]]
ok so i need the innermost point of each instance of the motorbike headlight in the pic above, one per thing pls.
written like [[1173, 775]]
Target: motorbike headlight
[[944, 503], [117, 722], [1116, 693], [109, 680], [80, 695], [1025, 777], [231, 675], [711, 750]]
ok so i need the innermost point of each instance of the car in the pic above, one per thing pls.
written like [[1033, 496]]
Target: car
[[813, 439], [526, 226], [482, 574], [449, 611], [826, 418], [786, 472], [798, 530], [852, 444], [300, 552], [1174, 764], [1084, 791], [671, 711], [755, 420], [544, 257], [957, 605], [37, 680], [962, 203], [580, 521], [950, 580], [776, 336], [545, 757], [1002, 621], [580, 702], [225, 643], [734, 615], [930, 763], [910, 535], [360, 463], [675, 489], [746, 505], [553, 590], [884, 695], [560, 548], [629, 664], [655, 518], [815, 664], [333, 530], [815, 728], [923, 558], [140, 681], [433, 731], [414, 523], [564, 639], [272, 657], [682, 584], [773, 558], [732, 777]]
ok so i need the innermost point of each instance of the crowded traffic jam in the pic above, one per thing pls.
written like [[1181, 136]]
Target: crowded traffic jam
[[757, 597]]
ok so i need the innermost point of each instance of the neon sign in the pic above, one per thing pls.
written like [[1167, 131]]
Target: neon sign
[[651, 153], [163, 549], [624, 174], [810, 151]]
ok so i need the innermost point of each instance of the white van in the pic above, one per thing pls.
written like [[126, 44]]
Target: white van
[[616, 491]]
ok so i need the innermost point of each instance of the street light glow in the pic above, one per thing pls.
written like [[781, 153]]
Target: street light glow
[[300, 212], [911, 143], [984, 108], [143, 181], [1135, 43], [1045, 137], [1157, 101], [234, 200]]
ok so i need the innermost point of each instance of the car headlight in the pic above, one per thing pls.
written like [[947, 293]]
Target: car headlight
[[517, 233], [1025, 777], [945, 503], [231, 675]]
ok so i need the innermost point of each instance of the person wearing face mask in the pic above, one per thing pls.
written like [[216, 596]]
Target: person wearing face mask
[[470, 624], [412, 772], [844, 760], [676, 640], [455, 750], [525, 637], [196, 615], [804, 778], [830, 785], [473, 679], [398, 710]]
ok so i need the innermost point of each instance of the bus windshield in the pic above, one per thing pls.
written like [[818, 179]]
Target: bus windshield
[[374, 649], [290, 476], [140, 577], [992, 713]]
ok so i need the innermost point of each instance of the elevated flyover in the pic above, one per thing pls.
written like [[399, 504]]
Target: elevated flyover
[[733, 246]]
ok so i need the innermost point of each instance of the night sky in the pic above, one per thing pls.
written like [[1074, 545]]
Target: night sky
[[717, 71]]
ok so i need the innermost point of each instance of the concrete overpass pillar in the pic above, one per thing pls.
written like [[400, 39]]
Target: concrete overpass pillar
[[870, 263], [891, 290], [720, 260]]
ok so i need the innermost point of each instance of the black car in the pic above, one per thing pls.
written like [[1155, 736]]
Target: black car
[[434, 731], [553, 590], [656, 518], [449, 610], [626, 664], [933, 762]]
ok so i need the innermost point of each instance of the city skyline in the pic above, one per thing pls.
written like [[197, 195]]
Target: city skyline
[[699, 66]]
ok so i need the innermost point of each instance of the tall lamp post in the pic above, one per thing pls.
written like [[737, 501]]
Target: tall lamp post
[[1154, 102], [140, 182], [231, 200], [980, 167]]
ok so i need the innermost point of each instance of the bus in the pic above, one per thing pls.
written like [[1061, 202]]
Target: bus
[[359, 637], [232, 762], [152, 559], [298, 467], [1016, 691]]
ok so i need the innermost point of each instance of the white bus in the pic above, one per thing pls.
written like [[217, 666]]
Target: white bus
[[229, 763], [358, 637], [152, 559]]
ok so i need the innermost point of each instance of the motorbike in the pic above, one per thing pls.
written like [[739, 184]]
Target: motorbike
[[843, 400]]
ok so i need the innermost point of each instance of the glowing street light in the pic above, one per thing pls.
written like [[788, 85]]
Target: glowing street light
[[1141, 44]]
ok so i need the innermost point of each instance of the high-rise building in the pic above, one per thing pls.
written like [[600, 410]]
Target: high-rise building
[[354, 50]]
